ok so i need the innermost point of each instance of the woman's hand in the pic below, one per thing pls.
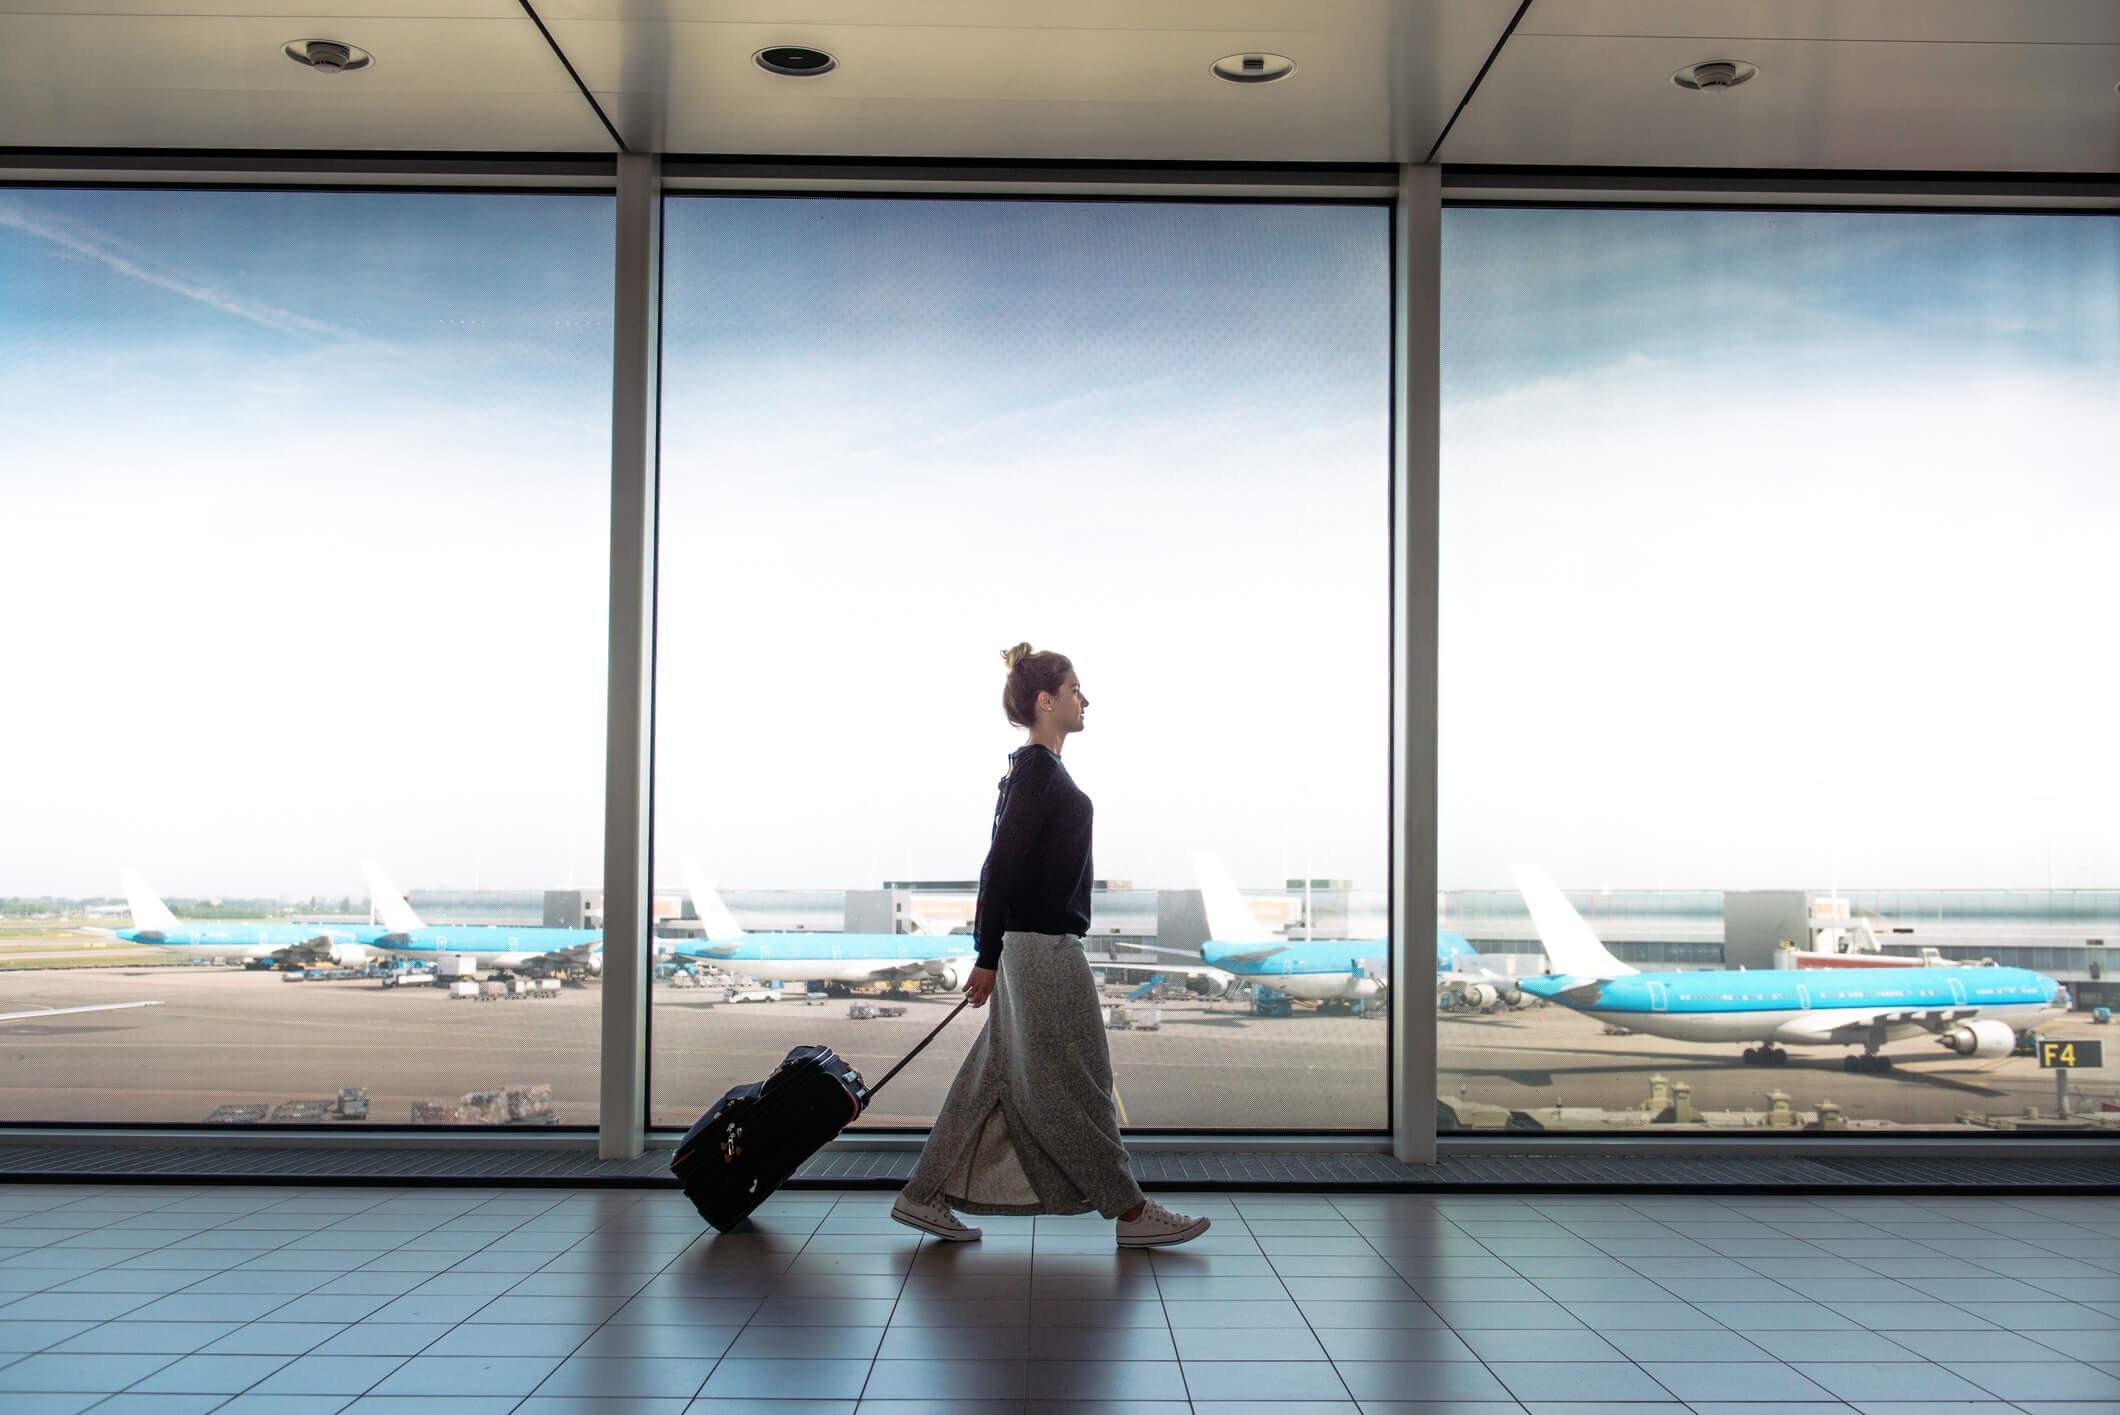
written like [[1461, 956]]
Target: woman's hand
[[979, 986]]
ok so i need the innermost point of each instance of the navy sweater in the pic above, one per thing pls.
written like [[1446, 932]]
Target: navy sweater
[[1037, 871]]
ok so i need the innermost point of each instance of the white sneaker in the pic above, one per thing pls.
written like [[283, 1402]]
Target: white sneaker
[[1158, 1227], [934, 1218]]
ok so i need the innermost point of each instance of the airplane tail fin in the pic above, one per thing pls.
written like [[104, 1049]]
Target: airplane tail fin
[[390, 905], [1229, 919], [148, 911], [719, 924], [1570, 945]]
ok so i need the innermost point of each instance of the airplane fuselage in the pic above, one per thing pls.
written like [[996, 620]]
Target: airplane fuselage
[[1324, 970], [236, 940], [837, 958], [1794, 1008], [487, 946]]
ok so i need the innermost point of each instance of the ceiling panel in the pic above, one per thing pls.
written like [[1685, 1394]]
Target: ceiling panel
[[1937, 21], [1013, 91], [297, 9], [1328, 16], [221, 81], [1600, 101]]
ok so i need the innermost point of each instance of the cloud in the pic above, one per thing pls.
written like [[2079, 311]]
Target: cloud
[[103, 249]]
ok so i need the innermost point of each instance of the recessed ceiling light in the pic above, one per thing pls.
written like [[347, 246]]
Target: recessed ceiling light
[[795, 61], [1254, 68], [1714, 75], [327, 56]]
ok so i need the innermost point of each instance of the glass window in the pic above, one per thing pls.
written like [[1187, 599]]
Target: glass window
[[307, 506], [1752, 523], [900, 436]]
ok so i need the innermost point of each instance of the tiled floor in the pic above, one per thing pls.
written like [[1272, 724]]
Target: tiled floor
[[460, 1302]]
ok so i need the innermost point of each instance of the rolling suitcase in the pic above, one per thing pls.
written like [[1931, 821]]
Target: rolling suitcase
[[757, 1135]]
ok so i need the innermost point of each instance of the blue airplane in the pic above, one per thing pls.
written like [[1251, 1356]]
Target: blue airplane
[[838, 960], [155, 926], [1975, 1012], [1239, 949], [524, 950]]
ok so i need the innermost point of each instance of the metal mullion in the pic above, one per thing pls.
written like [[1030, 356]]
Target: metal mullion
[[1416, 332], [629, 746]]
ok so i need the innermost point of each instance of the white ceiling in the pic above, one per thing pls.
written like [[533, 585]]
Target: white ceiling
[[1943, 85]]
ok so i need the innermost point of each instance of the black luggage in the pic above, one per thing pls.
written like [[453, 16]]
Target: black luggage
[[757, 1135]]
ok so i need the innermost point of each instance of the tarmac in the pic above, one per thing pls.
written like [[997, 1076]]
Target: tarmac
[[228, 1036]]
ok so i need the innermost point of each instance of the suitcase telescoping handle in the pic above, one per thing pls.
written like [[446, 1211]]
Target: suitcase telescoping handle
[[918, 1049]]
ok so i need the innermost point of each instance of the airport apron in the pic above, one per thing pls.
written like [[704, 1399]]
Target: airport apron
[[1029, 1126]]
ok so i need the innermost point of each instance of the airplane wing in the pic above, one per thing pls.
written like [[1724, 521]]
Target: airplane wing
[[309, 950], [668, 948], [1853, 1026], [1255, 955], [560, 960], [1193, 966]]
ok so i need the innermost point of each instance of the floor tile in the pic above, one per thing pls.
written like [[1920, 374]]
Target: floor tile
[[749, 1379], [984, 1378], [433, 1376], [85, 1372], [228, 1375], [1473, 1316], [328, 1375], [1733, 1380], [1099, 1344], [1294, 1343], [2018, 1380], [637, 1339], [147, 1338], [1270, 1313], [274, 1338], [1622, 1383], [255, 1404], [1322, 1315], [427, 1405], [1102, 1380], [661, 1376], [1257, 1381], [130, 1404], [1505, 1345], [1424, 1380]]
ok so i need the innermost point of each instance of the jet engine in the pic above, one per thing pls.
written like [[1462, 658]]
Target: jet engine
[[346, 955], [1985, 1038], [950, 975], [1481, 996]]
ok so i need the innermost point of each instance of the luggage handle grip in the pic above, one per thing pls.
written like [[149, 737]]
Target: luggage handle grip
[[918, 1049]]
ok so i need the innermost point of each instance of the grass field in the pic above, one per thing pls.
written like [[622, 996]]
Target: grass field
[[71, 943]]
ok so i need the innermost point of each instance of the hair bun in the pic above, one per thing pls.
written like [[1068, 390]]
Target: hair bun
[[1014, 656]]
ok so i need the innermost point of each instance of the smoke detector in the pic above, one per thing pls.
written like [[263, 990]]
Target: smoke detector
[[1714, 75], [795, 62], [1254, 68], [327, 56]]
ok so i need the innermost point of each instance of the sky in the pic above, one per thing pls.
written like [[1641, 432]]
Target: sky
[[1773, 543]]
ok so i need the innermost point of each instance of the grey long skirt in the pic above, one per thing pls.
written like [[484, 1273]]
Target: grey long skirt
[[1029, 1126]]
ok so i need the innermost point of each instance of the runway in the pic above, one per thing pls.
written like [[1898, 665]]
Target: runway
[[226, 1036]]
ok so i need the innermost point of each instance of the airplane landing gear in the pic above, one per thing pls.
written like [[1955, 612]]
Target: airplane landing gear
[[1766, 1056], [1868, 1061]]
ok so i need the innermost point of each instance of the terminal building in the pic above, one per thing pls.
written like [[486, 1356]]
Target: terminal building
[[509, 436]]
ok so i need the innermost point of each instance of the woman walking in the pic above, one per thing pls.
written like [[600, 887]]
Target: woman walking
[[1029, 1126]]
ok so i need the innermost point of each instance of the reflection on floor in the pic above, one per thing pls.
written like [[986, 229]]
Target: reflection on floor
[[175, 1300]]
